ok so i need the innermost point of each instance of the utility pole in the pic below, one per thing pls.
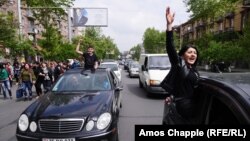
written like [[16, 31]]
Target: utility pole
[[20, 19], [69, 25]]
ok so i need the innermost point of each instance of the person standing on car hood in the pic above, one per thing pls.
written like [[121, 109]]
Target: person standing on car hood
[[183, 76]]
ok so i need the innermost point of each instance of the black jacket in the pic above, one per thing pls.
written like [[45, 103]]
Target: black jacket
[[181, 80]]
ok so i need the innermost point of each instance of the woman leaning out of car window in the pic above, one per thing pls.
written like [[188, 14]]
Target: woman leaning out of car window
[[183, 66]]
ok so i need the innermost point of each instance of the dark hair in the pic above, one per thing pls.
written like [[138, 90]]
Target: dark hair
[[90, 46], [185, 48], [1, 66]]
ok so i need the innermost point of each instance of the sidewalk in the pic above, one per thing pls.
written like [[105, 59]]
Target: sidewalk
[[13, 90], [203, 68]]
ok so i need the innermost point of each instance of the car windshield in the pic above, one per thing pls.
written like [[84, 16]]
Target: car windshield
[[111, 66], [159, 62], [135, 65], [78, 82]]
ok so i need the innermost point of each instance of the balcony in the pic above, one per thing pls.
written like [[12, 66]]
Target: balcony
[[229, 15], [218, 32], [229, 29], [30, 14], [32, 30], [219, 20]]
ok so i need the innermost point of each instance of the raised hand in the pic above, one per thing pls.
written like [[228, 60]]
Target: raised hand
[[169, 16]]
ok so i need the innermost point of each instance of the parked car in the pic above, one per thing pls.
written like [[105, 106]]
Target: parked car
[[114, 67], [82, 105], [153, 69], [220, 66], [217, 100], [134, 69]]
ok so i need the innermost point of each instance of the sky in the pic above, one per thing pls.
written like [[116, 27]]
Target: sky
[[128, 19]]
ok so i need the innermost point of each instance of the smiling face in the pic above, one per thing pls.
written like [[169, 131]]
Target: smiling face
[[190, 56]]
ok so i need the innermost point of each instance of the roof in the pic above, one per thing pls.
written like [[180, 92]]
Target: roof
[[81, 69], [239, 80]]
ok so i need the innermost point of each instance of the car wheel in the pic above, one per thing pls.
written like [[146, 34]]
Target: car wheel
[[140, 84]]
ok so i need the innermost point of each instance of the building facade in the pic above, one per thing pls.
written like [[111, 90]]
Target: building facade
[[232, 22], [29, 27]]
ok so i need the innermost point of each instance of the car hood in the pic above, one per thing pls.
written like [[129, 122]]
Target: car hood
[[58, 105], [157, 74]]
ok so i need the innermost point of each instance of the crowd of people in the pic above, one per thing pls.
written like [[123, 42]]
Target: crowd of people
[[27, 75], [39, 74]]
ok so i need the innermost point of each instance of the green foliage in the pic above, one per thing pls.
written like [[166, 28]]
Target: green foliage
[[7, 30], [210, 8], [154, 41], [136, 52], [244, 42], [221, 51], [226, 36], [105, 48]]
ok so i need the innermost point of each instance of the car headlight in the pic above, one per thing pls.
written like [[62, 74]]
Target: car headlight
[[103, 121], [154, 82], [33, 126], [23, 122], [90, 125]]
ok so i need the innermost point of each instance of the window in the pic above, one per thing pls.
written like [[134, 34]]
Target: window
[[220, 113], [156, 62]]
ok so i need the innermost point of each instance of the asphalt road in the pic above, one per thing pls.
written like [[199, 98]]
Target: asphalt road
[[137, 109]]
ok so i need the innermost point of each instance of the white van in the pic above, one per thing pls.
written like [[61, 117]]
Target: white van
[[153, 69]]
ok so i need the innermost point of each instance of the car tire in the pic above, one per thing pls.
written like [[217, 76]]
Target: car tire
[[140, 84]]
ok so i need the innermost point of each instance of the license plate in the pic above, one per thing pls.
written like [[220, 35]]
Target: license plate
[[66, 139]]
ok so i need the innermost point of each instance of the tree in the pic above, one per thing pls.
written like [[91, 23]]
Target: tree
[[7, 29], [104, 46], [136, 52], [210, 8], [244, 42], [154, 41], [46, 13]]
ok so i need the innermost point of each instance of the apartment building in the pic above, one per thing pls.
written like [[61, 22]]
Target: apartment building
[[29, 27], [231, 23]]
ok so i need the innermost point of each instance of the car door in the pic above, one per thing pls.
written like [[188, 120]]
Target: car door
[[145, 72], [223, 104]]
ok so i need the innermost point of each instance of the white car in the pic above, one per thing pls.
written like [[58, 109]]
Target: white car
[[113, 66], [153, 69]]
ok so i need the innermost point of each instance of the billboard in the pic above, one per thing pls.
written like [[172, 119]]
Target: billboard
[[90, 17]]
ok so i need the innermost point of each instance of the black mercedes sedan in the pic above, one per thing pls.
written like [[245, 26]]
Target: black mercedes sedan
[[218, 99], [81, 105]]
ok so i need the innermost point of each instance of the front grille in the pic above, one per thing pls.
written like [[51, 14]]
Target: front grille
[[60, 125]]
